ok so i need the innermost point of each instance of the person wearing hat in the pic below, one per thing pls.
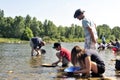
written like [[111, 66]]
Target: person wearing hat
[[36, 43], [63, 55], [89, 30]]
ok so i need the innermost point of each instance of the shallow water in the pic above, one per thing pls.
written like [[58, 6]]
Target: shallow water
[[17, 64]]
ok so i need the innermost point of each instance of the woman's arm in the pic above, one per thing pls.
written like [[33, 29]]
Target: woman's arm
[[86, 67]]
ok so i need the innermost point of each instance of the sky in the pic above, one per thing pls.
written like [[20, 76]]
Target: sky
[[61, 11]]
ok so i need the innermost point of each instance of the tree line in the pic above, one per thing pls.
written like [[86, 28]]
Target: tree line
[[27, 27]]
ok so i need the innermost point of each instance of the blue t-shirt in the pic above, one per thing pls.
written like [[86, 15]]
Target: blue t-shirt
[[88, 23]]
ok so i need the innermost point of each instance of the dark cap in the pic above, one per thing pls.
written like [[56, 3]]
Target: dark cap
[[78, 12], [56, 45]]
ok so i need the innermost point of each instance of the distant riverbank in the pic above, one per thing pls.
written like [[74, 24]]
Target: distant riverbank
[[12, 40]]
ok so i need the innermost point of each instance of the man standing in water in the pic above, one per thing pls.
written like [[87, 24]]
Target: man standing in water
[[89, 30], [103, 39]]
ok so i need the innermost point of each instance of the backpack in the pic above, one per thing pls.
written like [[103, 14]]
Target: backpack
[[117, 64]]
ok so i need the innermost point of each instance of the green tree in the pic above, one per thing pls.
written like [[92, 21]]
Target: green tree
[[27, 27], [103, 30], [27, 34], [1, 13], [112, 37], [27, 21], [66, 32], [79, 33], [61, 31], [71, 30], [116, 32], [18, 27], [6, 27], [2, 27], [35, 27], [50, 29], [41, 29]]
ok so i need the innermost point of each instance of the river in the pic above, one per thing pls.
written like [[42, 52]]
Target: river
[[16, 63]]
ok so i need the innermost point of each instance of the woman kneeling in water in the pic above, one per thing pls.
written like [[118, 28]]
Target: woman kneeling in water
[[88, 60]]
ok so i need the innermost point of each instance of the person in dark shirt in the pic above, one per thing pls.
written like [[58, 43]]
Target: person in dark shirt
[[116, 46], [36, 43], [88, 60]]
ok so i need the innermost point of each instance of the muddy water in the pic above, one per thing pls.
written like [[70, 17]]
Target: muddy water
[[17, 64]]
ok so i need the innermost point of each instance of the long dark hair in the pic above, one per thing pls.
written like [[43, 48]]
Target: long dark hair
[[76, 54]]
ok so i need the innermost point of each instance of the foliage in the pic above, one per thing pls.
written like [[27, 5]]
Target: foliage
[[27, 27], [103, 30], [12, 40], [27, 34], [116, 32]]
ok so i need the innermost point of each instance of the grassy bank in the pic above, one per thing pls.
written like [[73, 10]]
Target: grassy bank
[[11, 40], [14, 40]]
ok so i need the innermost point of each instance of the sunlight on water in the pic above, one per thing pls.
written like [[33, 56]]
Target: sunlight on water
[[17, 64]]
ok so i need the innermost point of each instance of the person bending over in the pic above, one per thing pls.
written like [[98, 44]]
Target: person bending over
[[88, 60], [36, 43], [63, 55]]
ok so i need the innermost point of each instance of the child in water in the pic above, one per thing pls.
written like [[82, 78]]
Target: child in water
[[63, 55]]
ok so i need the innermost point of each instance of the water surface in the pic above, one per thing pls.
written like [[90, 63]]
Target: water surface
[[17, 64]]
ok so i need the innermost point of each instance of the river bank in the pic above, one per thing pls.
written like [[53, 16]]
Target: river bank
[[12, 40]]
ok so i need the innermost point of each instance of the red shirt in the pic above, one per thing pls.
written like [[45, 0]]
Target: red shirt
[[65, 53]]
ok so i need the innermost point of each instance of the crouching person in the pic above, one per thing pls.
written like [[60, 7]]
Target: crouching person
[[36, 43], [63, 55], [90, 63]]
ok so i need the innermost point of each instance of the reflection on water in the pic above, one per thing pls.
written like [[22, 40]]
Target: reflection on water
[[35, 61], [17, 64]]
